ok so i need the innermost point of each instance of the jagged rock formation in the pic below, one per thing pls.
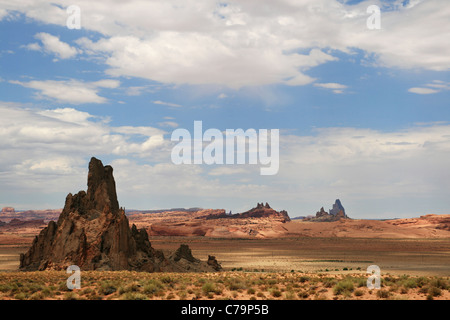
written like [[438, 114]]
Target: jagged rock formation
[[260, 211], [336, 213], [264, 211], [93, 233], [337, 207], [213, 263]]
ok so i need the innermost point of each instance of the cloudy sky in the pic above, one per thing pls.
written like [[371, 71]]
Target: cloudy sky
[[363, 113]]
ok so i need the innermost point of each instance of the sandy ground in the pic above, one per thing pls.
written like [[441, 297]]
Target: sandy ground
[[427, 257]]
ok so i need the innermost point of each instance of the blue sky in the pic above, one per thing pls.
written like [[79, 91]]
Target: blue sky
[[363, 114]]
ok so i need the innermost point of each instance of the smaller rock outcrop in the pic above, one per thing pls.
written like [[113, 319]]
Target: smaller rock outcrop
[[264, 211], [213, 263], [8, 210], [184, 252], [337, 207], [336, 213]]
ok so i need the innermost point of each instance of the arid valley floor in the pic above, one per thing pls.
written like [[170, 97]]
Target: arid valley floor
[[275, 268]]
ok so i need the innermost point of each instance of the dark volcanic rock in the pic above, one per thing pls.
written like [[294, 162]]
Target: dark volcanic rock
[[337, 206], [184, 252], [321, 213], [93, 233], [336, 213], [213, 263]]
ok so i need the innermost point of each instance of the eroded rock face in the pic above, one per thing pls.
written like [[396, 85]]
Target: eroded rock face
[[337, 207], [264, 211], [93, 233], [213, 263], [336, 213]]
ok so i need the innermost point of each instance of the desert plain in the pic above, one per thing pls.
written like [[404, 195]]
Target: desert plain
[[288, 260]]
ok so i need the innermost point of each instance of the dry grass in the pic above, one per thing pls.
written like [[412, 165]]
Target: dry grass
[[129, 285]]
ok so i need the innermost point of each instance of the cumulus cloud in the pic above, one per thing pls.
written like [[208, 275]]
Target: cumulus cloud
[[52, 44], [70, 132], [249, 43], [70, 91], [170, 124], [51, 147], [169, 104], [422, 90], [335, 87], [430, 88]]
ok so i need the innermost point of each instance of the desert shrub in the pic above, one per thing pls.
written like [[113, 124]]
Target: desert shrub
[[208, 287], [304, 279], [410, 283], [303, 294], [276, 293], [132, 287], [289, 295], [329, 282], [344, 286], [170, 296], [251, 291], [37, 296], [421, 281], [434, 291], [260, 295], [133, 296], [182, 295], [235, 284], [361, 282], [358, 292], [384, 294], [152, 288], [439, 283], [107, 288], [21, 296], [423, 290], [70, 296]]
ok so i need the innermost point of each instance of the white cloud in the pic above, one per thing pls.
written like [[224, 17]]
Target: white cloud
[[52, 147], [249, 43], [33, 46], [167, 104], [422, 90], [430, 88], [335, 87], [69, 131], [70, 91], [52, 44], [170, 124]]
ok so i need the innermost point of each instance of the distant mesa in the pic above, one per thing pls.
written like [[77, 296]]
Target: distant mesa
[[264, 211], [93, 233], [260, 211], [337, 212], [8, 210]]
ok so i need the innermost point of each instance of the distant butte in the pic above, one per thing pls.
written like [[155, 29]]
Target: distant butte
[[335, 214], [260, 211]]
